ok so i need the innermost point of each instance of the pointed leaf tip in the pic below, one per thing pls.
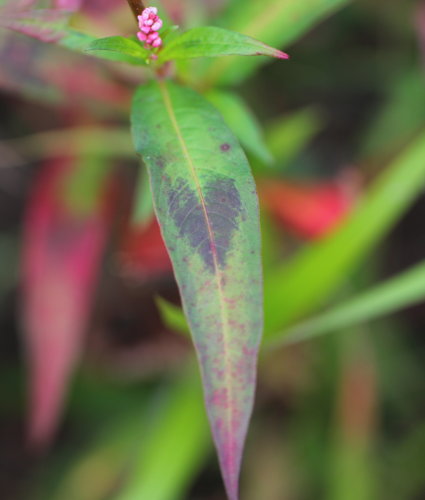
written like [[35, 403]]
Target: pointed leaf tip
[[282, 55]]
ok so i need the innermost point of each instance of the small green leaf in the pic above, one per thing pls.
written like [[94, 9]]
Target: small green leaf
[[210, 41], [118, 48], [242, 122], [205, 200], [172, 316]]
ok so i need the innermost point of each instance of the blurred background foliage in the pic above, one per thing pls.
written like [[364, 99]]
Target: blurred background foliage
[[339, 156]]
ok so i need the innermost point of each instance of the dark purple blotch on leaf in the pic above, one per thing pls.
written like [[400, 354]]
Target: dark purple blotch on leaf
[[225, 147], [222, 207]]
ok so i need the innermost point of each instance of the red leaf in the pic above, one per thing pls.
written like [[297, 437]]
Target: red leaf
[[311, 211], [143, 253]]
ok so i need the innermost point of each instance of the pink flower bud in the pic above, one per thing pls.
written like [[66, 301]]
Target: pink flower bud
[[157, 42], [153, 36], [142, 36], [157, 25]]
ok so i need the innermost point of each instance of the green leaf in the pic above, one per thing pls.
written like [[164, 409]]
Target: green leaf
[[206, 204], [242, 122], [169, 455], [276, 22], [118, 48], [210, 41], [394, 294], [325, 265]]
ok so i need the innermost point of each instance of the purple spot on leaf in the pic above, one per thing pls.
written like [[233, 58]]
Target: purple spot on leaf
[[209, 223]]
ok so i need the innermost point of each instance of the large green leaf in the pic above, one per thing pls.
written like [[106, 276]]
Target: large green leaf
[[206, 203], [275, 22], [211, 41], [301, 284]]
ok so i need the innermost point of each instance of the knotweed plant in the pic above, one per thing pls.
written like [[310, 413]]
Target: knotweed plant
[[205, 200], [170, 88]]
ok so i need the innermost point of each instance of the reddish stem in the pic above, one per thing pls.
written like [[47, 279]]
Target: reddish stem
[[137, 7]]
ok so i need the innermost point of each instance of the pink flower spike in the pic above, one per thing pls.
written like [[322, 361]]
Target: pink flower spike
[[150, 23]]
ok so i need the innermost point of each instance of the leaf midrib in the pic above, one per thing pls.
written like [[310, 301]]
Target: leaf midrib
[[217, 271]]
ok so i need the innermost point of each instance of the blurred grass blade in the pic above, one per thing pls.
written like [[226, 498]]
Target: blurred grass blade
[[300, 285], [206, 204], [404, 104], [118, 48], [353, 470], [275, 22], [173, 447], [242, 122], [289, 135], [211, 41], [396, 293]]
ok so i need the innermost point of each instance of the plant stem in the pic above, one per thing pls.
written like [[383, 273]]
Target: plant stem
[[137, 7]]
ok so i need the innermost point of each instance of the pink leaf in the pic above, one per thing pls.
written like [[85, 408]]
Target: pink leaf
[[45, 25], [61, 257]]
